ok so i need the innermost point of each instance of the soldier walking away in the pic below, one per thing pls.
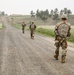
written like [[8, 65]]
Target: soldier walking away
[[62, 31], [23, 27], [32, 30]]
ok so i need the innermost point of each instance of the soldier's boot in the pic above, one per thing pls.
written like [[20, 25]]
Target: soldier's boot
[[23, 31], [56, 54], [32, 36], [63, 59], [63, 56], [56, 57]]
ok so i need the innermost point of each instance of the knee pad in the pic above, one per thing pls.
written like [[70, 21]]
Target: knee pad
[[64, 52]]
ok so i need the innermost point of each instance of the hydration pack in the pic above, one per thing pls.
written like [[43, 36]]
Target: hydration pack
[[63, 29]]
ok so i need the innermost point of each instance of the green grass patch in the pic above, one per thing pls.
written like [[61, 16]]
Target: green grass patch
[[47, 32], [18, 26], [1, 26], [71, 38], [50, 33]]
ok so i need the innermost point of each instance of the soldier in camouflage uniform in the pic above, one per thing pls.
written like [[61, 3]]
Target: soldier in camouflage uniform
[[32, 29], [23, 27], [62, 31]]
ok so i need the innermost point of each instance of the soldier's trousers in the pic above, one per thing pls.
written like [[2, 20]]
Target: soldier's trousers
[[61, 42], [23, 29], [32, 33]]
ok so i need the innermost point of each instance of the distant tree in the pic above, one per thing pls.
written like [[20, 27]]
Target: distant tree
[[37, 13], [65, 10], [44, 18], [32, 14], [51, 13], [43, 15], [47, 12], [56, 11], [56, 14], [61, 12], [55, 17], [69, 12], [3, 13]]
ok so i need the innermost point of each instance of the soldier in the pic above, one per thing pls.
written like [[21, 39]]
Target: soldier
[[62, 31], [32, 29], [23, 27]]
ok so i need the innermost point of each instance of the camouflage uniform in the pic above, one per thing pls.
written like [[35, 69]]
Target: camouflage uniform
[[32, 29], [23, 27], [60, 39]]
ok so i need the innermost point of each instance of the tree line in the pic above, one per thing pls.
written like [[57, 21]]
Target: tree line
[[2, 13], [54, 14]]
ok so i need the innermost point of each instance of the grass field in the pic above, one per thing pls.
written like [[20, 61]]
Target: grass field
[[1, 26], [49, 31]]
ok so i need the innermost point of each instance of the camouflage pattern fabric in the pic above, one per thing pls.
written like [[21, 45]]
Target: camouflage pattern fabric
[[32, 29], [23, 27], [63, 30], [32, 33], [61, 42]]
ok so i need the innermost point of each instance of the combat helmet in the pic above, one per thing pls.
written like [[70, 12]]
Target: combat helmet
[[64, 16]]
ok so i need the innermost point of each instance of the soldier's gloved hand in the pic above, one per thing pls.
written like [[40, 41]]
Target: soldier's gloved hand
[[56, 33], [69, 34]]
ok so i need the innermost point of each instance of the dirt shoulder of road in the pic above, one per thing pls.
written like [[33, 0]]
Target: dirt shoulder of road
[[71, 44]]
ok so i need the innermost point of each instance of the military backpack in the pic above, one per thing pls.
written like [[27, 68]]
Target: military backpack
[[63, 29]]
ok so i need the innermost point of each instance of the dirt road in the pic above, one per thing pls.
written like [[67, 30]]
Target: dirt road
[[20, 55]]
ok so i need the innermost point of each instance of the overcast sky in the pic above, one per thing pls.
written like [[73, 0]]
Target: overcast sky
[[25, 6]]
